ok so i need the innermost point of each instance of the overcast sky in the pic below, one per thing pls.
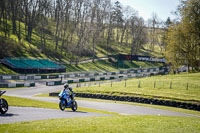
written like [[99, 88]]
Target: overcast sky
[[145, 8]]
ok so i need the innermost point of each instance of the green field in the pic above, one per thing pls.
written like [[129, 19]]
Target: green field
[[111, 124], [183, 87]]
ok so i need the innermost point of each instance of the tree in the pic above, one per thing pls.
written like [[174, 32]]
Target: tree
[[184, 37], [137, 33], [117, 18], [128, 12], [154, 32]]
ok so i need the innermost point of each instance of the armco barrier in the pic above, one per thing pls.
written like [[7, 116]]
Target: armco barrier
[[11, 85], [38, 77], [53, 83], [183, 105]]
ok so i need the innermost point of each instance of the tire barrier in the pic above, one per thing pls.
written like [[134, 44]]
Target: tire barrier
[[169, 103], [12, 85]]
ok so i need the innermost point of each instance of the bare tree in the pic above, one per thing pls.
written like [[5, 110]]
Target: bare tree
[[138, 34], [153, 25]]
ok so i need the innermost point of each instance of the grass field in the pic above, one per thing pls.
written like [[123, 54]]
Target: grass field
[[183, 87], [111, 124]]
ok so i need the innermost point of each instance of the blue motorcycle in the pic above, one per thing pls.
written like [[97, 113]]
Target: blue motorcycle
[[67, 101]]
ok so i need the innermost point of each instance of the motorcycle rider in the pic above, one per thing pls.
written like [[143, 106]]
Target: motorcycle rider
[[69, 90]]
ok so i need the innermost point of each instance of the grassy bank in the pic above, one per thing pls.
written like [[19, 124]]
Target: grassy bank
[[106, 66], [5, 70], [183, 87], [115, 124]]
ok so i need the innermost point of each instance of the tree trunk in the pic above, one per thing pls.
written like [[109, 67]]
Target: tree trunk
[[123, 32]]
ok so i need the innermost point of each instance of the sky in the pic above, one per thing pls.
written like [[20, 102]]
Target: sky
[[145, 8]]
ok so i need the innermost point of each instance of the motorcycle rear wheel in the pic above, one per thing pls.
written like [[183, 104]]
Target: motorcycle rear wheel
[[3, 106], [62, 105]]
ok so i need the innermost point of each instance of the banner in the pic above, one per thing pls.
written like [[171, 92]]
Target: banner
[[141, 58]]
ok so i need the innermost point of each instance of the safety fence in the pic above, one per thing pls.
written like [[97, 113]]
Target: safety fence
[[163, 70], [101, 78], [12, 85]]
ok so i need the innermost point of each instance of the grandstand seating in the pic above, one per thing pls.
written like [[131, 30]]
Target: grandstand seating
[[17, 63], [33, 65], [49, 63]]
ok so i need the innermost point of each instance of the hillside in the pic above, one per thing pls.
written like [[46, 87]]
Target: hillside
[[24, 49]]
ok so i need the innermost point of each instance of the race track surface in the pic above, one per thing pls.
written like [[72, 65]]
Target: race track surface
[[19, 114]]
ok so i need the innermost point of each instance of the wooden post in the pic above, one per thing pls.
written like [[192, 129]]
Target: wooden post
[[139, 86], [99, 84], [111, 84], [171, 85], [187, 86], [154, 84]]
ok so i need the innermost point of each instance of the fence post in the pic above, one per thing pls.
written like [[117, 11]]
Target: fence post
[[139, 86], [111, 84], [171, 85], [154, 84], [99, 84], [187, 86]]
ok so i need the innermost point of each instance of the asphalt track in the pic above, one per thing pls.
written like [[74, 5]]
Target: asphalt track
[[16, 114], [19, 114]]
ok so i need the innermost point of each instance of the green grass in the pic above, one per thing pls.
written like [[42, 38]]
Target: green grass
[[112, 124], [106, 66], [5, 70], [144, 87], [24, 102]]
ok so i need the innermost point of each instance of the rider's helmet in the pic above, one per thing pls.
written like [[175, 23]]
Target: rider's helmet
[[66, 85]]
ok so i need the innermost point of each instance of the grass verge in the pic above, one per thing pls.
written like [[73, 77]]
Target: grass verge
[[115, 124]]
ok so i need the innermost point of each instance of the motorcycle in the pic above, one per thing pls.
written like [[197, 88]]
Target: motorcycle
[[3, 103], [66, 101]]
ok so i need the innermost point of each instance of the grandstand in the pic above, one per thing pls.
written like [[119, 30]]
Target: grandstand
[[33, 65]]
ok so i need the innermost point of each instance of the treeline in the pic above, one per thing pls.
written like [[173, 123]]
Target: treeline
[[183, 37], [77, 26]]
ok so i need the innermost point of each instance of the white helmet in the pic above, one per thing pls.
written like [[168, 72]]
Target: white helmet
[[66, 85]]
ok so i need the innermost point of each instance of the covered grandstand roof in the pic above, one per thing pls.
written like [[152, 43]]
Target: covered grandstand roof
[[32, 64]]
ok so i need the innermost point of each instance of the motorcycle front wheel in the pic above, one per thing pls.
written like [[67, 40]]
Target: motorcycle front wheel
[[62, 105], [3, 106], [74, 105]]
